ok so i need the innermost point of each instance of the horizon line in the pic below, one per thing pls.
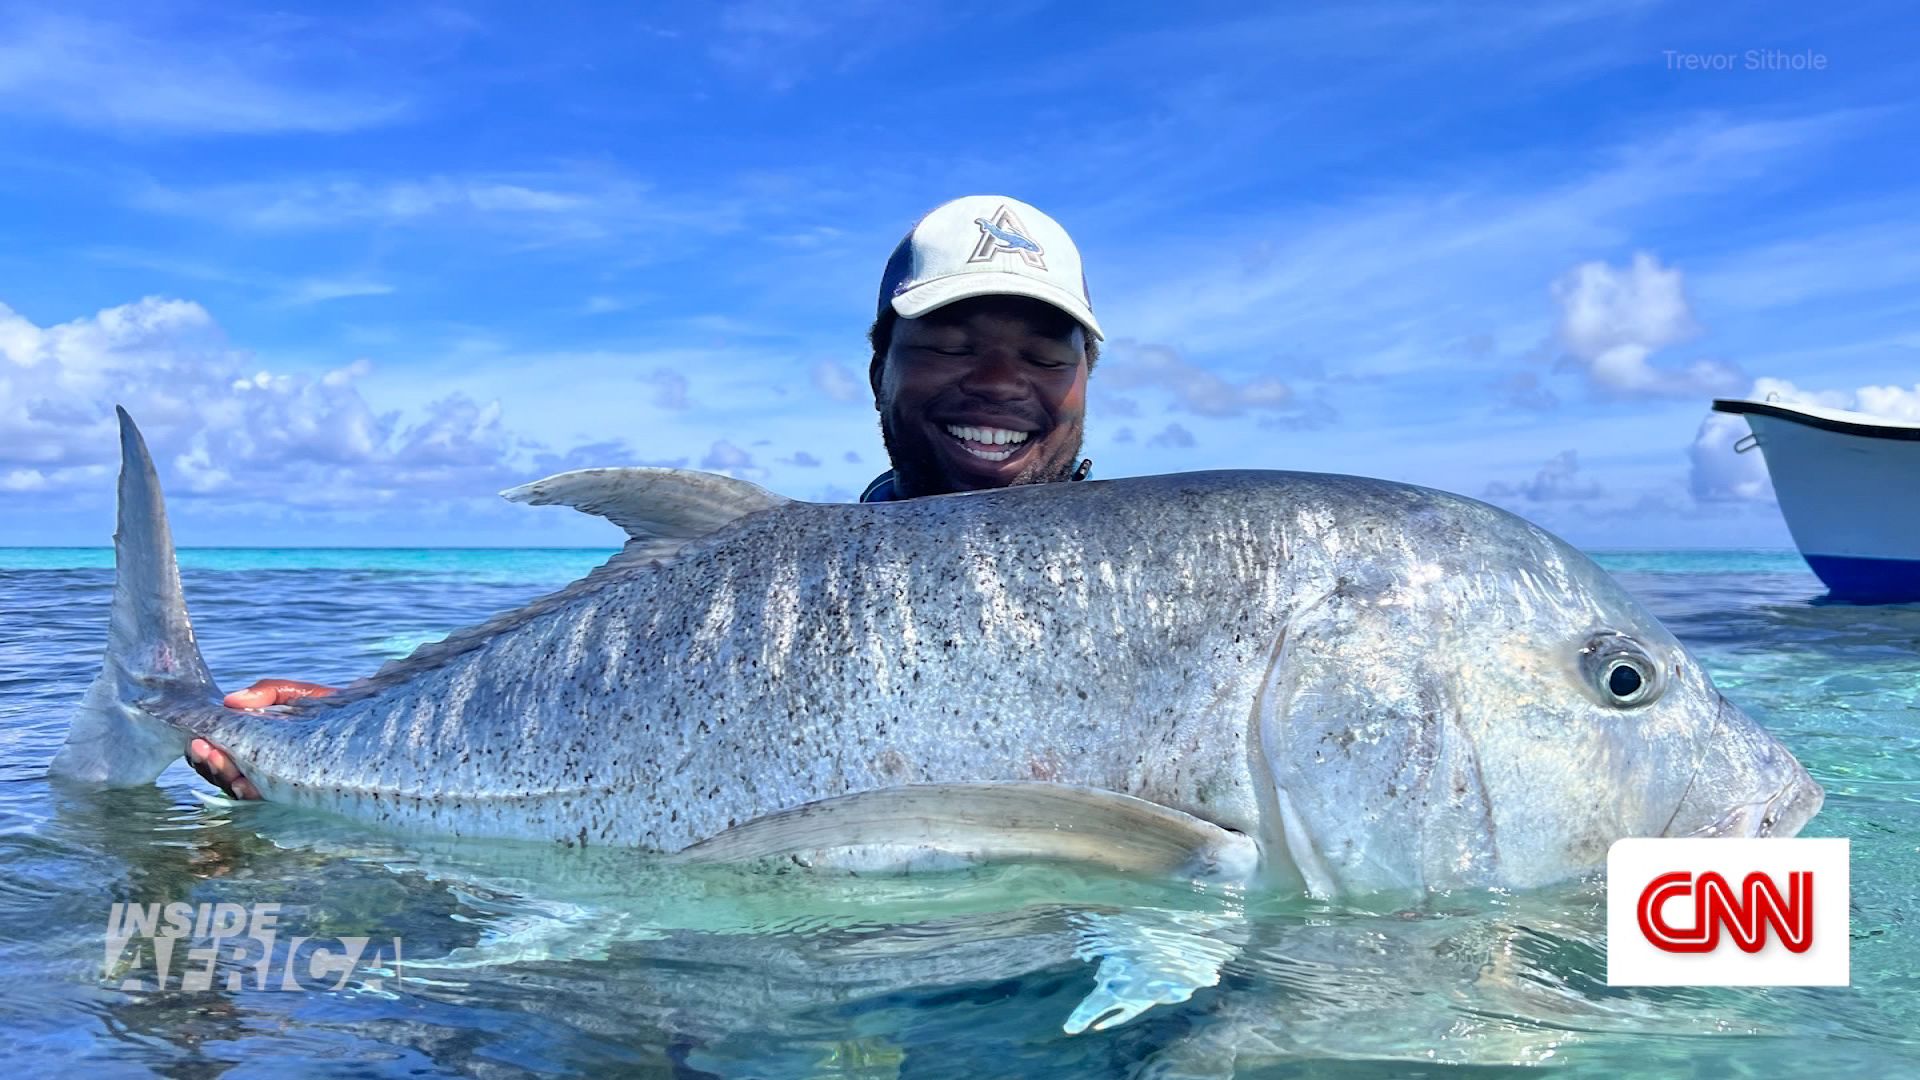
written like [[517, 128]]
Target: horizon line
[[617, 547]]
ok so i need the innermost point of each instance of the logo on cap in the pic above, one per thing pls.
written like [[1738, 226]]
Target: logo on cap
[[1003, 234]]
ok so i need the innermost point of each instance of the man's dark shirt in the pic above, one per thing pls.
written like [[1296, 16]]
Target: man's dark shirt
[[881, 489]]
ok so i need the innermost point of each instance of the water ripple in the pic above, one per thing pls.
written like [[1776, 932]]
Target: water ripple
[[589, 963]]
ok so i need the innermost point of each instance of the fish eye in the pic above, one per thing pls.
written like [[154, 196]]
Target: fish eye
[[1620, 669], [1625, 682]]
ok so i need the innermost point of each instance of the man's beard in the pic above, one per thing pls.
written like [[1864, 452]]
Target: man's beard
[[919, 476]]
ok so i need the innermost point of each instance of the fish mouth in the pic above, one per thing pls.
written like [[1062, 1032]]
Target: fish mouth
[[1781, 814], [1791, 807]]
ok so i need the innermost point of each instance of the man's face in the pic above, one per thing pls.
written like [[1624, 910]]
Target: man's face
[[983, 393]]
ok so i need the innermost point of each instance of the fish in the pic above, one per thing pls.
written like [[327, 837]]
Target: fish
[[1006, 236], [1329, 685]]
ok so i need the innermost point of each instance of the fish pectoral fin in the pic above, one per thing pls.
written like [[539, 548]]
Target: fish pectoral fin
[[652, 504], [946, 826], [1151, 956]]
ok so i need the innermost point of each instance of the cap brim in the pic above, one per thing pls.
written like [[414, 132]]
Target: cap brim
[[938, 293]]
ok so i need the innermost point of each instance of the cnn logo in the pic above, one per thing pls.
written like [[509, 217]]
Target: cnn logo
[[1728, 913]]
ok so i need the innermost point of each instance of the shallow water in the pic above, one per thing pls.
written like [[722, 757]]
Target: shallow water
[[527, 960]]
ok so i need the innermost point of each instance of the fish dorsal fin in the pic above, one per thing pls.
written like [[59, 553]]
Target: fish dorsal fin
[[663, 510], [653, 505]]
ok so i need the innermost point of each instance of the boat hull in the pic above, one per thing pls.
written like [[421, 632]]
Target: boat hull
[[1886, 581], [1850, 493]]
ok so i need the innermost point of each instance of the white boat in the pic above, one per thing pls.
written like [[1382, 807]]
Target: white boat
[[1849, 487]]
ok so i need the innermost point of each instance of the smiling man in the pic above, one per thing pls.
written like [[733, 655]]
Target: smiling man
[[981, 350]]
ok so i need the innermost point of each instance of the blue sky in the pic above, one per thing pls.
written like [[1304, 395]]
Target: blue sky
[[356, 268]]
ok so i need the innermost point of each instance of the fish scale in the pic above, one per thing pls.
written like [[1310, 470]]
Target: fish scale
[[1278, 657]]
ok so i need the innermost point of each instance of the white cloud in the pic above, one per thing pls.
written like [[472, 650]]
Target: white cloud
[[1718, 474], [456, 431], [725, 457], [834, 380], [23, 480], [1602, 308], [1382, 283], [1559, 479], [1173, 436], [280, 289], [779, 43], [320, 290], [1527, 392], [547, 209], [1876, 250], [224, 422], [328, 203], [670, 389], [1309, 414], [1890, 402], [105, 76], [1188, 385], [1613, 320]]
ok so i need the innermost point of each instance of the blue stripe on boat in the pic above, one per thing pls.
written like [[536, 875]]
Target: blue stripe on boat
[[1873, 581]]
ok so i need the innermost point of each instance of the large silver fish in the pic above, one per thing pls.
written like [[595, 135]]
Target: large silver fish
[[1326, 683]]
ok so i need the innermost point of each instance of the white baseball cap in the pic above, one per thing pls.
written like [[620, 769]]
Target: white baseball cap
[[986, 245]]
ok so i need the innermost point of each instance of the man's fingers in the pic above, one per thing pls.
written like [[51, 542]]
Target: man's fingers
[[253, 697], [197, 756], [214, 766], [269, 692], [206, 757], [199, 763], [289, 692]]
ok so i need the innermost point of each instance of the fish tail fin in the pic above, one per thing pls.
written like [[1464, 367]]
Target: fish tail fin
[[115, 739]]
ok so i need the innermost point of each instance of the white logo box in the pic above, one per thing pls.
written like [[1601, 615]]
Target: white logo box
[[1634, 865]]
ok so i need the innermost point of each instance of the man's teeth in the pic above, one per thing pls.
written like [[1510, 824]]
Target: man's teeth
[[987, 436]]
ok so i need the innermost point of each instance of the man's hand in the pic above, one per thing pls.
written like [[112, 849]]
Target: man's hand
[[213, 764], [269, 692]]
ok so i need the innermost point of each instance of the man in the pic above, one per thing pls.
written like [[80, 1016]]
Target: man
[[981, 349], [982, 344]]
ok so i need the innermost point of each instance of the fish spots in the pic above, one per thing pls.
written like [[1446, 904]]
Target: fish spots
[[893, 766], [905, 645], [1589, 846], [1044, 767]]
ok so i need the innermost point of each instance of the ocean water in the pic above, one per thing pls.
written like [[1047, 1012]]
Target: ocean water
[[530, 961]]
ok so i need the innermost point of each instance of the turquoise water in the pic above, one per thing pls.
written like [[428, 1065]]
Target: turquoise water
[[544, 565], [539, 962], [526, 566]]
